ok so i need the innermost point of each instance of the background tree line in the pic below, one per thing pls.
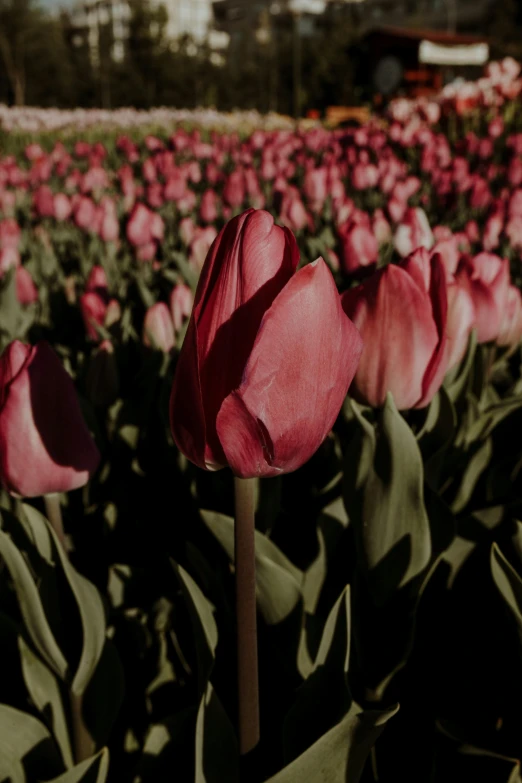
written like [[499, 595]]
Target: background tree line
[[43, 62]]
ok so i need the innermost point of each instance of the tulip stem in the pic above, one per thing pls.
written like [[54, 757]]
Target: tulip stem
[[247, 674], [54, 515]]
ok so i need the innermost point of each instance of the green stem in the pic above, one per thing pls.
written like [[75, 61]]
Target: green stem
[[247, 673], [54, 515]]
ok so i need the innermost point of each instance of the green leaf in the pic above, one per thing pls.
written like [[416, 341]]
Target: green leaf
[[491, 417], [103, 696], [90, 608], [314, 577], [217, 755], [311, 715], [203, 624], [24, 742], [278, 580], [391, 522], [45, 693], [93, 770], [508, 582], [339, 755], [457, 382], [31, 607], [475, 468]]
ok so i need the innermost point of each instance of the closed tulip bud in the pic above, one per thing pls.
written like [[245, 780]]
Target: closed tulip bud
[[85, 213], [10, 234], [158, 329], [26, 291], [181, 300], [486, 277], [401, 312], [187, 230], [208, 208], [200, 245], [112, 314], [413, 232], [62, 207], [234, 190], [45, 446], [262, 373], [510, 332], [97, 280], [93, 308], [43, 201], [102, 380], [315, 188], [359, 247], [9, 257], [492, 231]]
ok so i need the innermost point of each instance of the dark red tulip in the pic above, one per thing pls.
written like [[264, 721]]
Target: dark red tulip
[[262, 373]]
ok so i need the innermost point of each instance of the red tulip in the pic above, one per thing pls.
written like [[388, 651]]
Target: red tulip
[[45, 446], [262, 373], [401, 312], [158, 329], [486, 277]]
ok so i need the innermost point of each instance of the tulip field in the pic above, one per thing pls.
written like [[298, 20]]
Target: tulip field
[[211, 322]]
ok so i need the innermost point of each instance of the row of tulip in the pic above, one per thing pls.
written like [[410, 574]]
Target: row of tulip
[[337, 312]]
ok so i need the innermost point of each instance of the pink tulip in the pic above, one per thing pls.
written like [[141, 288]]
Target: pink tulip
[[200, 245], [26, 291], [461, 320], [181, 300], [262, 373], [413, 232], [45, 446], [510, 332], [486, 276], [234, 190], [93, 309], [158, 329], [410, 362], [315, 188], [62, 207], [208, 207], [359, 247]]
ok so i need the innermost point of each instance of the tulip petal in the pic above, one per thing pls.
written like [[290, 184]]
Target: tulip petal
[[295, 380], [439, 361], [248, 265]]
